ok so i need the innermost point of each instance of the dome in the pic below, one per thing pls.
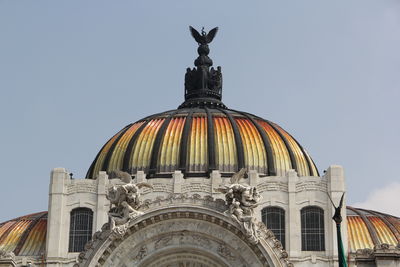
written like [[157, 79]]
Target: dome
[[24, 236], [198, 140], [203, 135], [368, 228]]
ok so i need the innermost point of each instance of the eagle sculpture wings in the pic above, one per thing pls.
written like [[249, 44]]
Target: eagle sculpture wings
[[123, 176], [144, 184], [236, 177], [203, 38]]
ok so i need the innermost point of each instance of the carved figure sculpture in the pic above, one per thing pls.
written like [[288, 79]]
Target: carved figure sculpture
[[128, 192], [124, 216], [125, 202], [242, 199]]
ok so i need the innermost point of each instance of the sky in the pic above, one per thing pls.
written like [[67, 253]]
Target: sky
[[73, 73]]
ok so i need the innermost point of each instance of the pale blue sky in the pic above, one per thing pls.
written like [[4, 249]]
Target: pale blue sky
[[73, 73]]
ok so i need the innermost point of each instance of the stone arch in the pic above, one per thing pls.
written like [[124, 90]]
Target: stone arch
[[197, 236]]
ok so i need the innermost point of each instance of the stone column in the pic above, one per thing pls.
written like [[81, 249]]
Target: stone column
[[253, 178]]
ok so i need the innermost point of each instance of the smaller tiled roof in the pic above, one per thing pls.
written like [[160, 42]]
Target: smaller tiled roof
[[26, 235], [368, 228]]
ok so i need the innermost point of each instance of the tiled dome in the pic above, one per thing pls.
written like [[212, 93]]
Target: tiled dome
[[25, 236], [368, 228], [198, 140]]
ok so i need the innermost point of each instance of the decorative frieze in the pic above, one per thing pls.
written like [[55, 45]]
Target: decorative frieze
[[317, 185], [272, 186], [184, 200], [196, 187], [83, 186], [159, 187]]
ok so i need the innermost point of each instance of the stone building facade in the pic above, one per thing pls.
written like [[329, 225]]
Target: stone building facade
[[201, 185]]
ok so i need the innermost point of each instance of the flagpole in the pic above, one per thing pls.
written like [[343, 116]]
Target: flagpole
[[337, 217]]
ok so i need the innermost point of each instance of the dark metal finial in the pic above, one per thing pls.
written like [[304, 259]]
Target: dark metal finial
[[203, 84]]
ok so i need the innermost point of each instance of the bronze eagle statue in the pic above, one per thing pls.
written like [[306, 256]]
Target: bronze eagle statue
[[203, 38]]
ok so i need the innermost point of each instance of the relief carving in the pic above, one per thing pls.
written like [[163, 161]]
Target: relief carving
[[81, 187], [201, 240], [187, 238], [125, 203], [272, 186], [242, 199], [382, 246], [195, 199], [196, 187], [366, 252], [163, 242], [142, 253], [311, 186], [226, 252]]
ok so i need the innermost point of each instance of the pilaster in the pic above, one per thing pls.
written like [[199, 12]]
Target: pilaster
[[140, 177], [177, 178], [253, 178], [56, 224], [216, 181], [293, 217], [101, 205]]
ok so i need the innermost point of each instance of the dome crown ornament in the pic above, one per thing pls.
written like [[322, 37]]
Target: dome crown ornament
[[203, 83]]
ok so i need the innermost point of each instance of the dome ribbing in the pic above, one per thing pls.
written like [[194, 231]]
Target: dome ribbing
[[199, 140]]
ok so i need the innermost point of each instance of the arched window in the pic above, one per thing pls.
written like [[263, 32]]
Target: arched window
[[274, 219], [312, 229], [80, 230]]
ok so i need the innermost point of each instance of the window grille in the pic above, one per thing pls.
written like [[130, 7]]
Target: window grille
[[80, 231], [274, 219], [312, 229]]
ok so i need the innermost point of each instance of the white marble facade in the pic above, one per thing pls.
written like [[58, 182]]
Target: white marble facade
[[187, 207]]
